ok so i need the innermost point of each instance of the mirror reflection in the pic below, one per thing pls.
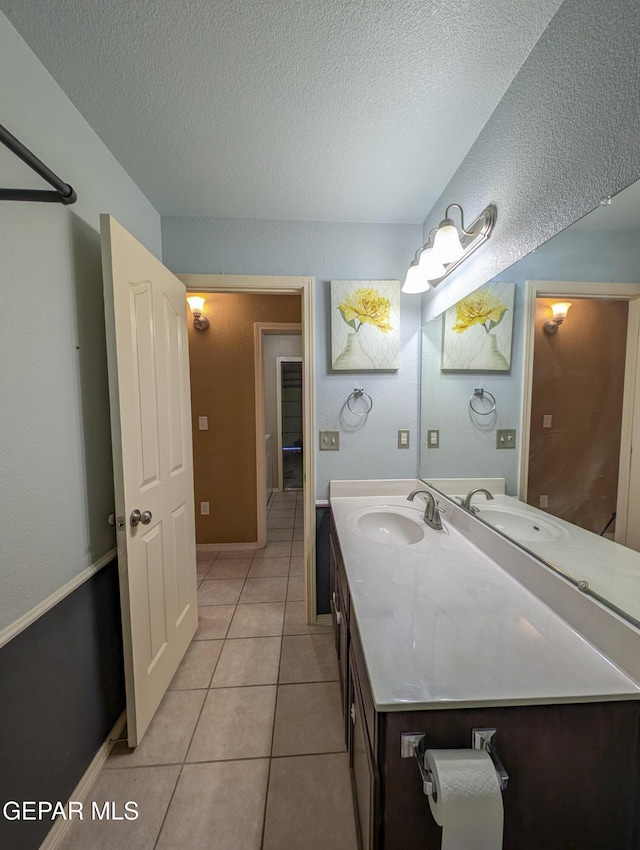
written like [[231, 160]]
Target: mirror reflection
[[564, 485]]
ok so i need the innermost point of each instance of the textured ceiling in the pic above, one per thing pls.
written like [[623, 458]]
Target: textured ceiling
[[340, 110]]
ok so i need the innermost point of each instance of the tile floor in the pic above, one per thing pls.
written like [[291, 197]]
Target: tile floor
[[246, 751]]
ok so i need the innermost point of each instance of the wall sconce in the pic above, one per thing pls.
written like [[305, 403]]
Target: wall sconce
[[196, 303], [443, 253], [559, 310]]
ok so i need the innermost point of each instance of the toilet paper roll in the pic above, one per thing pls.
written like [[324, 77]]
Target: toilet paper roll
[[468, 804]]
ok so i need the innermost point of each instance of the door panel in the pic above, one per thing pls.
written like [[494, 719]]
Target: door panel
[[150, 419]]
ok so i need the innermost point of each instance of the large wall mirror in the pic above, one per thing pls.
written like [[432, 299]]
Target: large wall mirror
[[566, 486]]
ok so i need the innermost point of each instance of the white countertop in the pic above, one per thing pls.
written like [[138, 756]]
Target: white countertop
[[443, 626]]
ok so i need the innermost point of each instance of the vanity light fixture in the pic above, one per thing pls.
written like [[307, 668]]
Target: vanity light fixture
[[559, 310], [197, 303], [449, 247]]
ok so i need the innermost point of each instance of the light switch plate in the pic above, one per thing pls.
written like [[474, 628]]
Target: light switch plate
[[329, 441], [433, 438], [203, 423], [403, 439], [505, 438], [204, 508]]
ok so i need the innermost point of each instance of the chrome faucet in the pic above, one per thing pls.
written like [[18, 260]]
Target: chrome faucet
[[431, 509], [466, 502]]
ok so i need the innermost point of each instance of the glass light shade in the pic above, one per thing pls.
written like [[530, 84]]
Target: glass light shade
[[196, 303], [560, 309], [446, 243], [429, 264], [415, 280]]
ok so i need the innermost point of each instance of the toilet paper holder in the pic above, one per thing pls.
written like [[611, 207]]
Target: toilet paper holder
[[414, 745]]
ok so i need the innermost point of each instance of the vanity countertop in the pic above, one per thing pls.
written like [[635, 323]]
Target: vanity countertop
[[444, 626]]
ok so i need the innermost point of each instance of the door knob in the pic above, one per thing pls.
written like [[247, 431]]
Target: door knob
[[137, 517]]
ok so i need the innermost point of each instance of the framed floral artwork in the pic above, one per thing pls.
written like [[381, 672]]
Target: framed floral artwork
[[478, 331], [365, 325]]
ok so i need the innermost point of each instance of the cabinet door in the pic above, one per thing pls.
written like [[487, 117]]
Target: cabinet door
[[362, 768], [333, 586]]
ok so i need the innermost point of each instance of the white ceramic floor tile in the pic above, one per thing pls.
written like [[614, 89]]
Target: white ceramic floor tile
[[236, 723], [149, 787], [217, 806], [248, 661], [167, 738]]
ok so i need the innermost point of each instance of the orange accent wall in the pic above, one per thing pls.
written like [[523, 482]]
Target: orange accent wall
[[578, 376], [222, 388]]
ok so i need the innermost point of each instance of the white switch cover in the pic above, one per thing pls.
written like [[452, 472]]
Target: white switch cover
[[204, 508], [546, 420], [544, 501], [403, 439], [203, 423]]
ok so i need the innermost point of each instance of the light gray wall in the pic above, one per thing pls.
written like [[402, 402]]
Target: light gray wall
[[326, 251], [55, 452], [564, 135], [467, 447]]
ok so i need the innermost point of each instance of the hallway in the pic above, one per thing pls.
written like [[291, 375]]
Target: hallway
[[246, 751]]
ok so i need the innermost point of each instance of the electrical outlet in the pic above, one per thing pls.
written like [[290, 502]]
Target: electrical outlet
[[433, 438], [204, 508], [329, 441], [544, 501], [505, 438], [403, 439]]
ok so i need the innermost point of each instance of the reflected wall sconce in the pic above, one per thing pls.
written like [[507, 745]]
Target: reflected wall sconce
[[196, 303], [559, 310], [448, 247]]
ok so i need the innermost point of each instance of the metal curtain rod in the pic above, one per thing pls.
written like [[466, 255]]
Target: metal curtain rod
[[64, 194]]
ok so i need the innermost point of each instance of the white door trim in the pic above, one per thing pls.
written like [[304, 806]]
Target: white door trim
[[581, 289], [281, 285]]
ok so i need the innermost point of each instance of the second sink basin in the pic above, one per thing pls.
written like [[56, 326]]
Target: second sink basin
[[521, 525], [389, 524]]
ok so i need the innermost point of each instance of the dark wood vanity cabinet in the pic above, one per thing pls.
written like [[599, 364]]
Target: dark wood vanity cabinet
[[574, 768]]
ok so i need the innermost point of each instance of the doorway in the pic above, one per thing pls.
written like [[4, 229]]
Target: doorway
[[578, 404], [304, 287], [289, 411]]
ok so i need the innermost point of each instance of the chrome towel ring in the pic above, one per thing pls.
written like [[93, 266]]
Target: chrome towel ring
[[356, 394], [480, 393]]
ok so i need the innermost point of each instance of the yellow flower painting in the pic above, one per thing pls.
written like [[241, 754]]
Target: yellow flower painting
[[365, 319], [366, 306], [478, 330], [482, 307]]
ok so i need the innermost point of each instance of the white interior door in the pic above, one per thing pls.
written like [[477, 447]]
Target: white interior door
[[153, 467]]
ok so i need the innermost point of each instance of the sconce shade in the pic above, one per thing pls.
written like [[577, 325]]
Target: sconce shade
[[196, 303], [415, 281], [430, 264], [446, 243], [560, 309]]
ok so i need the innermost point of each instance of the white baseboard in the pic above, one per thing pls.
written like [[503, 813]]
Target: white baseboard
[[221, 547], [61, 826]]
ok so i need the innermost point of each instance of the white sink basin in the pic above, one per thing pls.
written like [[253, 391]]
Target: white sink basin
[[388, 524], [521, 525]]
